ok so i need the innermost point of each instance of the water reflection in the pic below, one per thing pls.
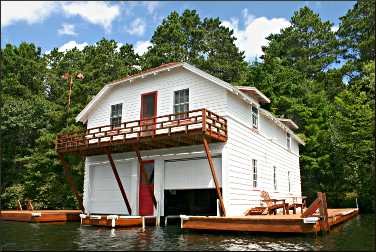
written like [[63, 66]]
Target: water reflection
[[357, 234]]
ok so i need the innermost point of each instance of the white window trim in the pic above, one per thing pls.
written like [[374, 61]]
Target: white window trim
[[254, 165], [121, 114], [288, 141], [257, 126], [180, 104]]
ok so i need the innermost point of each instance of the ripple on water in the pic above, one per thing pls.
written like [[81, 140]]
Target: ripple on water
[[357, 234]]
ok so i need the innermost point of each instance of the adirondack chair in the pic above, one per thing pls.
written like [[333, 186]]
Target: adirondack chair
[[273, 205], [295, 204]]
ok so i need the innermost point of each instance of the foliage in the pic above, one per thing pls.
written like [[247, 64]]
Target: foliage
[[321, 79], [204, 43]]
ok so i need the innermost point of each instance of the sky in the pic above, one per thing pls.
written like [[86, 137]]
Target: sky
[[64, 25]]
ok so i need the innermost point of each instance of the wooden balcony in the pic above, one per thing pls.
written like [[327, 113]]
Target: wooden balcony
[[180, 129]]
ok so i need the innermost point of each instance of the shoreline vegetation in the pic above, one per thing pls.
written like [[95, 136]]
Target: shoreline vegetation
[[322, 79]]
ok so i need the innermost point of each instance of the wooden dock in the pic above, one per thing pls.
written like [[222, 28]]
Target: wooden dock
[[40, 215], [292, 223], [118, 220]]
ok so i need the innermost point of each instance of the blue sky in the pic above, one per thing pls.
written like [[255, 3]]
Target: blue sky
[[67, 24]]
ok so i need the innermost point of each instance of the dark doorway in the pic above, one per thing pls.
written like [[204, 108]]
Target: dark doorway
[[190, 202]]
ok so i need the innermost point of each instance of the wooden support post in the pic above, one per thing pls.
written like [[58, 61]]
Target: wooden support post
[[70, 181], [118, 181], [143, 174], [323, 212], [211, 165]]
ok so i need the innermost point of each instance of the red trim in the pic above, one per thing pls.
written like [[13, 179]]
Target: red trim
[[155, 93], [160, 67], [144, 190]]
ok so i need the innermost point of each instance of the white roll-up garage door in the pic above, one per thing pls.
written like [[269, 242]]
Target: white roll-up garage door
[[104, 192], [191, 174]]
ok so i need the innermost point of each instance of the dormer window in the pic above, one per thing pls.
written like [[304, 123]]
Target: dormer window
[[116, 111], [288, 141], [254, 117]]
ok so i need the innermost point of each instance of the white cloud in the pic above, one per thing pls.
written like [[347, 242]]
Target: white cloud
[[151, 6], [252, 37], [30, 12], [67, 29], [334, 28], [137, 27], [100, 13], [141, 47], [118, 45], [72, 44]]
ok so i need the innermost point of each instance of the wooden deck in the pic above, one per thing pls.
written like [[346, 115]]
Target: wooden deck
[[180, 129], [292, 223], [40, 215], [118, 221]]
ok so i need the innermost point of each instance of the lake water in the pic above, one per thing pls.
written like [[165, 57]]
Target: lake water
[[356, 234]]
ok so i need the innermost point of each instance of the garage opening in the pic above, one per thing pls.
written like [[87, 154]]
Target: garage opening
[[190, 202]]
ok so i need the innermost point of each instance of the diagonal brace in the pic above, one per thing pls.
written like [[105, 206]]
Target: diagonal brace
[[118, 181], [143, 174], [68, 175], [212, 169]]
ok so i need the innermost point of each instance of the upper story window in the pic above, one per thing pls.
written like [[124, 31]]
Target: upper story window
[[254, 117], [275, 178], [254, 171], [116, 111], [288, 141], [181, 102], [289, 180]]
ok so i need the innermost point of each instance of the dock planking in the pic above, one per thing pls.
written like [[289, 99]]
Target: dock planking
[[292, 223], [40, 215]]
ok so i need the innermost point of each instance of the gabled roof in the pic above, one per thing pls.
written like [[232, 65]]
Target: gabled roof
[[83, 115], [276, 120], [289, 123], [254, 92]]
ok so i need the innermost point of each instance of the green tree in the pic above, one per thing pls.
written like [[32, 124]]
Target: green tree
[[357, 32], [204, 43], [308, 44], [353, 134]]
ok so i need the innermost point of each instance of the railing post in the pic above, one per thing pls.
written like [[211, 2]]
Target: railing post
[[203, 120]]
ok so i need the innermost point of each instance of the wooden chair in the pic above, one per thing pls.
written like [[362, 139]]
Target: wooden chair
[[295, 204], [29, 205], [272, 204]]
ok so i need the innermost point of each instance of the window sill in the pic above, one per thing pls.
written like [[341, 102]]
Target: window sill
[[255, 130]]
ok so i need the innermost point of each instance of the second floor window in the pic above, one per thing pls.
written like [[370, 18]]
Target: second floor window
[[254, 117], [289, 180], [115, 118], [181, 102], [288, 141], [254, 171]]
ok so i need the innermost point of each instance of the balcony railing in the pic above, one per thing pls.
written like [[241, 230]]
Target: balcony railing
[[178, 127]]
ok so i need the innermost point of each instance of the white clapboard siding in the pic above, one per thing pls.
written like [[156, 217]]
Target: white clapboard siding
[[234, 168], [191, 174], [202, 94], [242, 146]]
